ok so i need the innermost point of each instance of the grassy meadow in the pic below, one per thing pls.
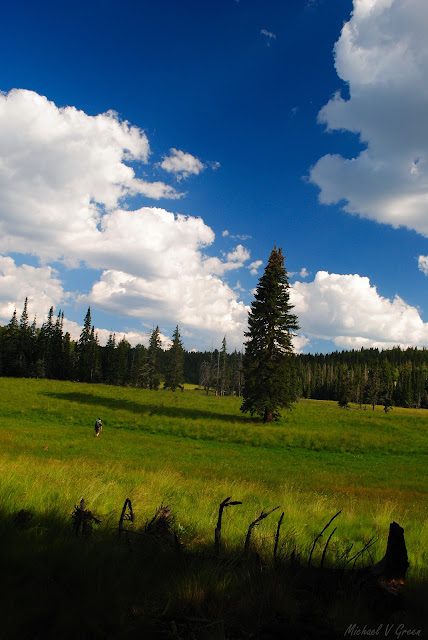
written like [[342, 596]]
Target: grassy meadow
[[190, 451]]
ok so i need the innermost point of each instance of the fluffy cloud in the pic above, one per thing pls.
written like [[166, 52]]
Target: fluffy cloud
[[348, 310], [255, 266], [239, 254], [39, 284], [382, 54], [65, 184], [423, 264], [182, 164], [303, 273], [60, 170], [202, 303]]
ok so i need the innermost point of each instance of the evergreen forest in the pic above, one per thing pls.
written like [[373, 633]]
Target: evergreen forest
[[393, 377]]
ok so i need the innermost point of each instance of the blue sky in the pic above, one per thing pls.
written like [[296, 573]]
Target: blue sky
[[153, 153]]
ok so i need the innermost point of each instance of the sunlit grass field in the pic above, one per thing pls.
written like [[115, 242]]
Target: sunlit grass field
[[190, 451]]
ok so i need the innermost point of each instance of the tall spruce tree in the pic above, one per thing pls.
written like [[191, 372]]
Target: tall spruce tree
[[268, 358], [154, 354], [11, 352], [174, 374], [224, 381], [87, 352]]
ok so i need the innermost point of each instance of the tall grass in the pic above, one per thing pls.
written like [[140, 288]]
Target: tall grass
[[191, 451]]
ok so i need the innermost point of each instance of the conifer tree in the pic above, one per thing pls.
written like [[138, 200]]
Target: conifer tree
[[224, 369], [87, 352], [268, 358], [25, 344], [45, 347], [373, 386], [174, 375], [236, 372], [123, 355], [110, 360], [153, 359], [139, 366], [11, 351]]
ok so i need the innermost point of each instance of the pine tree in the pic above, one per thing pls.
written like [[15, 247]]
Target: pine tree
[[123, 355], [139, 366], [45, 348], [87, 352], [25, 344], [236, 372], [11, 351], [110, 375], [268, 358], [174, 375], [345, 391], [153, 358], [95, 367], [224, 370], [373, 386]]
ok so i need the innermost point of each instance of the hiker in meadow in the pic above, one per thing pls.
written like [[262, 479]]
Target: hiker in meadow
[[98, 427]]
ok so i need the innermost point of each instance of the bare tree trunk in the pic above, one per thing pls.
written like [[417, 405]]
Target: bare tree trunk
[[268, 417]]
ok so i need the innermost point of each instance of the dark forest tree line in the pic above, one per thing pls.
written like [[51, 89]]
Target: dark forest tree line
[[368, 376], [48, 352]]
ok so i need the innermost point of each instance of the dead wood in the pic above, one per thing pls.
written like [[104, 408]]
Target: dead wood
[[255, 522], [275, 549], [83, 519], [217, 532], [394, 564], [319, 536], [127, 515]]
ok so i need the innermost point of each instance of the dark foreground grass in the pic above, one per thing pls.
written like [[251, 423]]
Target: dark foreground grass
[[192, 451], [55, 585]]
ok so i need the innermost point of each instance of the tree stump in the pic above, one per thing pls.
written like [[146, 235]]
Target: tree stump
[[394, 564]]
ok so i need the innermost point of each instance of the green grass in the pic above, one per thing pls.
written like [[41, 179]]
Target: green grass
[[191, 451]]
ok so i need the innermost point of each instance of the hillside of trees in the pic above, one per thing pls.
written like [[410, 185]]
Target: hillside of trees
[[368, 376]]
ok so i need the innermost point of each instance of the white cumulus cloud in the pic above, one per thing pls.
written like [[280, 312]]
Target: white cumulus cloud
[[239, 254], [255, 266], [204, 304], [39, 284], [182, 164], [382, 54], [423, 264], [65, 185], [349, 310], [60, 169]]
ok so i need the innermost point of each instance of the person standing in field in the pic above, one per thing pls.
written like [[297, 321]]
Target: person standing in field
[[98, 427]]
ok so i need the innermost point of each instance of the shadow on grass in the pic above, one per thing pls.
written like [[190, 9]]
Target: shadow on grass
[[148, 408], [139, 585]]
